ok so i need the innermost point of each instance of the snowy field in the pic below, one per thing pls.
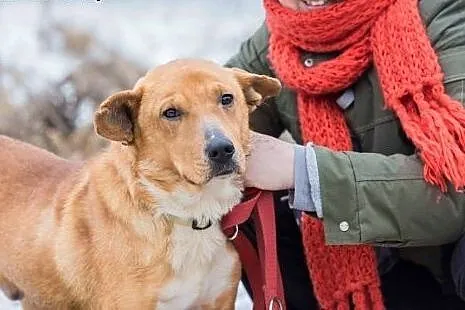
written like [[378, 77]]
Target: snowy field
[[146, 32]]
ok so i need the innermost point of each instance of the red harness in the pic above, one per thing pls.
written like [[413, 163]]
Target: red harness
[[262, 269]]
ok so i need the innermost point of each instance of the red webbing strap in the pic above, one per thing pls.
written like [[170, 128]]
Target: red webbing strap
[[251, 264], [242, 212], [264, 219], [263, 269]]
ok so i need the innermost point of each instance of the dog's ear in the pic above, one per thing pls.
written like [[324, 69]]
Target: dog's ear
[[256, 88], [115, 117]]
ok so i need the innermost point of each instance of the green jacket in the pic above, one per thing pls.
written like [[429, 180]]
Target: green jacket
[[379, 189]]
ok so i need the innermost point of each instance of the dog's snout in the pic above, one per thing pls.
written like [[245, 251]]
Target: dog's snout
[[220, 149], [220, 152]]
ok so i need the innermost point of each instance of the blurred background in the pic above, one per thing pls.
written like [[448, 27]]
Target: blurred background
[[60, 59]]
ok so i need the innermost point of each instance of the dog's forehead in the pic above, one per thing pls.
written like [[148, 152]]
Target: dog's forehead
[[184, 72]]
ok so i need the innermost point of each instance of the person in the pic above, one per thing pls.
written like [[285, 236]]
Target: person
[[373, 94], [458, 267]]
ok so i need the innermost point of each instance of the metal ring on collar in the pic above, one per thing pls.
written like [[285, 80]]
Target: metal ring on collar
[[236, 232], [273, 301]]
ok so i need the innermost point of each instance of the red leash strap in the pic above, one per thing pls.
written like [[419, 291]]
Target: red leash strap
[[251, 264], [262, 269], [264, 219]]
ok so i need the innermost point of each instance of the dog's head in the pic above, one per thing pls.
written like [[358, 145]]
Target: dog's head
[[186, 121]]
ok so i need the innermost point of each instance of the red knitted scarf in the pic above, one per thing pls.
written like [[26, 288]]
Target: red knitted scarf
[[390, 35]]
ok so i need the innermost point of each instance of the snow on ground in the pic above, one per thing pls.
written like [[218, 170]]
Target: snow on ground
[[147, 32]]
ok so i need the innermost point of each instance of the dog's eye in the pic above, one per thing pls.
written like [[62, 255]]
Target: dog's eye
[[171, 114], [227, 99]]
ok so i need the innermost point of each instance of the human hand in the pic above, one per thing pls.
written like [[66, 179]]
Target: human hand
[[270, 165]]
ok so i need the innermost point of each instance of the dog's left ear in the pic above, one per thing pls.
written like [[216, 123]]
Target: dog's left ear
[[257, 88], [115, 118]]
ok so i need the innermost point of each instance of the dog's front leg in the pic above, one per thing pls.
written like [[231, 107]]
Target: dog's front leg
[[225, 301]]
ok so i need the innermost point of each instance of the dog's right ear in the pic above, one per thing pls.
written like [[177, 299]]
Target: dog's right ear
[[256, 88], [115, 117]]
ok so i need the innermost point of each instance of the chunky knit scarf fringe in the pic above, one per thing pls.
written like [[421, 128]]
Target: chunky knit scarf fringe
[[390, 35]]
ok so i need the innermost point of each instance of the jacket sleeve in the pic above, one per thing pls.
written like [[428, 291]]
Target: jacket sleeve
[[384, 200], [252, 57]]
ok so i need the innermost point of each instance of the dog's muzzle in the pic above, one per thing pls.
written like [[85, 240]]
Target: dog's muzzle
[[220, 153]]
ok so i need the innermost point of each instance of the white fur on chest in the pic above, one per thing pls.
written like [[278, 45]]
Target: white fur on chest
[[202, 267], [200, 259]]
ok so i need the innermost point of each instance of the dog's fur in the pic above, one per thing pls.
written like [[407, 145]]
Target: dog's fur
[[115, 232]]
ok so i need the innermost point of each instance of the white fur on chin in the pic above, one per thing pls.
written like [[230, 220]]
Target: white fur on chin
[[216, 199]]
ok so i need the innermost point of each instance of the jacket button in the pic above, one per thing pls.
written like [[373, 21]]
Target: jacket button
[[344, 226], [308, 62]]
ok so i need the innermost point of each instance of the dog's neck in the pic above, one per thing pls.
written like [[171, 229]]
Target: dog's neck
[[200, 209]]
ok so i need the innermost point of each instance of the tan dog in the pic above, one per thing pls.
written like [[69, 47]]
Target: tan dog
[[138, 226]]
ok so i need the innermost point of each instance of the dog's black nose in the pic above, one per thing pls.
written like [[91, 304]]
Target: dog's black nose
[[220, 149]]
